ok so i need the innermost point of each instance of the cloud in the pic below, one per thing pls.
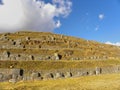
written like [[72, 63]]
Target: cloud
[[58, 24], [101, 16], [32, 14], [97, 28], [116, 44]]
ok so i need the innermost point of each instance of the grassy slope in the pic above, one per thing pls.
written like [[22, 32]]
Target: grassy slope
[[100, 82], [49, 65], [80, 47]]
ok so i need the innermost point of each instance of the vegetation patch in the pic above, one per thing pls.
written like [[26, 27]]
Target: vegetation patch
[[51, 65], [100, 82]]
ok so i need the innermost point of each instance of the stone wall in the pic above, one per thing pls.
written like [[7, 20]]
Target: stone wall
[[69, 48], [14, 75]]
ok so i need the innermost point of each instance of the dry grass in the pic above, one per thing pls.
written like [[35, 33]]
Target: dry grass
[[101, 82], [81, 48], [50, 65]]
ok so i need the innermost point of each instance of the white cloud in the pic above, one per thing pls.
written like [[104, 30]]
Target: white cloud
[[32, 14], [97, 28], [101, 16], [116, 44], [58, 24]]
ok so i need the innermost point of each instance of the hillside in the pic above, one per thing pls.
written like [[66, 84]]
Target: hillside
[[26, 56], [49, 46]]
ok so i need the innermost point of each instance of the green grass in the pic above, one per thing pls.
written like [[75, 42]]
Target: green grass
[[50, 65]]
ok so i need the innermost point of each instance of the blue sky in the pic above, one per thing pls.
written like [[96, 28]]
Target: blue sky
[[84, 20], [89, 19]]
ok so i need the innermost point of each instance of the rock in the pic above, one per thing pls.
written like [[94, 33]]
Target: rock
[[15, 76], [61, 36], [48, 76], [20, 78], [7, 77], [47, 58], [4, 37], [18, 42], [32, 57], [79, 74], [52, 38], [59, 75], [68, 74], [98, 71], [11, 66], [24, 78], [35, 76], [57, 56], [13, 81], [83, 73], [15, 72], [92, 73], [6, 53], [1, 76], [13, 43], [23, 46], [27, 38]]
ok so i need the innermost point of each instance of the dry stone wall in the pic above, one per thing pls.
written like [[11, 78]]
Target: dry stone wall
[[15, 75], [68, 48]]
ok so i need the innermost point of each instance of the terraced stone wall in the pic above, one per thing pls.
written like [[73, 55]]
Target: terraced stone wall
[[14, 75]]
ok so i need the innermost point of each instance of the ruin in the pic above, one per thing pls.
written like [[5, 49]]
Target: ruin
[[32, 46], [15, 75], [68, 48]]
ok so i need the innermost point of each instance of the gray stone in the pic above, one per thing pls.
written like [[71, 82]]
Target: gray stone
[[24, 78], [15, 71], [15, 76], [52, 38], [92, 73], [1, 76], [79, 73], [59, 75], [13, 43], [27, 38], [32, 57], [68, 74], [48, 76], [47, 58], [98, 71], [18, 42], [35, 76], [83, 73], [6, 53], [13, 81], [56, 56], [7, 77]]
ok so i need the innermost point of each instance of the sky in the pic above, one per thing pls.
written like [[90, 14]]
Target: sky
[[94, 20], [89, 19]]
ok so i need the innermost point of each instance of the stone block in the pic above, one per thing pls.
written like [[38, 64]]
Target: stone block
[[35, 76]]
